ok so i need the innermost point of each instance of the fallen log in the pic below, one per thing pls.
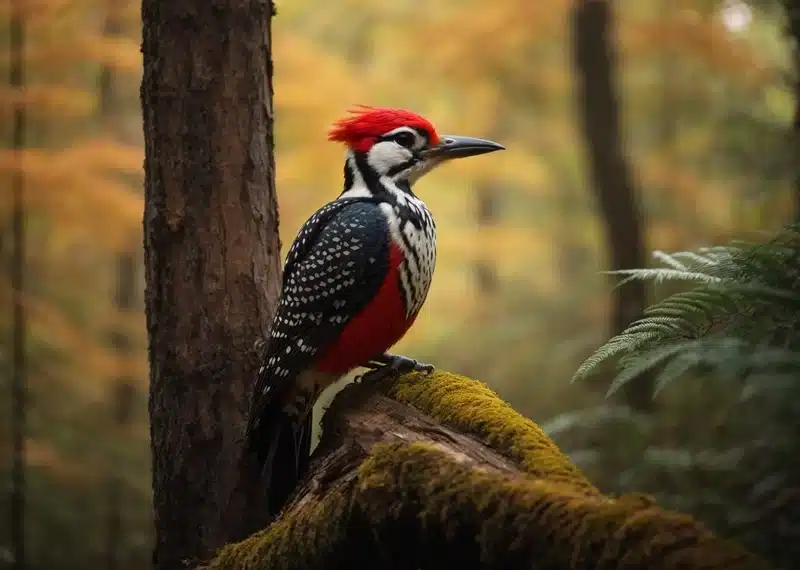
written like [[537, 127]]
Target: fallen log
[[437, 471]]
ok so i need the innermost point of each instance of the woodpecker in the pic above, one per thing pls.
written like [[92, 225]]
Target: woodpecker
[[354, 281]]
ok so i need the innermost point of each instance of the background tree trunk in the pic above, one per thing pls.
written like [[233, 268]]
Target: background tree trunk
[[611, 176], [212, 256], [486, 216], [488, 195]]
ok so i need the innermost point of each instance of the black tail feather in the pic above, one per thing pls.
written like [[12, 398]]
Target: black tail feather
[[281, 449]]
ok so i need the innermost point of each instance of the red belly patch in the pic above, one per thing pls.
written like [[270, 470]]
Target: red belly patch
[[375, 329]]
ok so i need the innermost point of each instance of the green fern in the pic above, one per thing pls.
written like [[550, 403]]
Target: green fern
[[735, 333], [742, 320]]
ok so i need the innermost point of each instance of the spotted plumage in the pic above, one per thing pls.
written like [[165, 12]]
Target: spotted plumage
[[337, 262], [355, 279]]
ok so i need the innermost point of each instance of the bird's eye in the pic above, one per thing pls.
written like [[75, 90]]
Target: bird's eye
[[405, 139]]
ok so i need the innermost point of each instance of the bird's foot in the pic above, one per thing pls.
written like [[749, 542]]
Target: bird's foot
[[394, 364]]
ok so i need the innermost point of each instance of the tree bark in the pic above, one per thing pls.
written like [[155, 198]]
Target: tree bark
[[460, 480], [611, 175], [212, 257]]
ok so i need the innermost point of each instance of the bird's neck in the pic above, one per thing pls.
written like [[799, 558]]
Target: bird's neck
[[362, 181]]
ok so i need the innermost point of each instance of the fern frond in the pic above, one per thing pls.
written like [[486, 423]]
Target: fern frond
[[616, 345], [706, 260], [592, 418], [641, 364], [659, 275], [683, 362], [670, 259], [766, 384], [756, 292], [747, 296]]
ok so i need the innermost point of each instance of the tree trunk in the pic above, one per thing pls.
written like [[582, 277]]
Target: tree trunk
[[486, 216], [437, 472], [212, 257], [595, 63]]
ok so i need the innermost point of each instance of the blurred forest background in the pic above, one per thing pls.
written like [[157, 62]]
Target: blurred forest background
[[519, 299]]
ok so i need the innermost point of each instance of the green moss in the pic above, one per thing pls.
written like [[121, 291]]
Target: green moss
[[476, 519], [411, 506], [311, 535], [471, 407]]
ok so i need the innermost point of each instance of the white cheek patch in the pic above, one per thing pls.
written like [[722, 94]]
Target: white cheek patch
[[422, 168], [387, 154]]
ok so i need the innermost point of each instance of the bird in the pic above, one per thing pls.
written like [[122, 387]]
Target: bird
[[354, 281]]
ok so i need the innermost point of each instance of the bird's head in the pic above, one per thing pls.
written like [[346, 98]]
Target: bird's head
[[401, 145]]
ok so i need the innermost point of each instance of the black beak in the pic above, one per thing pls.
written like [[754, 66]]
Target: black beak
[[452, 146]]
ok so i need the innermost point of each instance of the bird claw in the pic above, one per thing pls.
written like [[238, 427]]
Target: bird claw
[[396, 364], [422, 367]]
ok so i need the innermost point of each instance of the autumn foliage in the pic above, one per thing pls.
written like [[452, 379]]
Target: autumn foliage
[[704, 113]]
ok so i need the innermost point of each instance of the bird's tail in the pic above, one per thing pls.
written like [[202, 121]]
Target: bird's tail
[[277, 447]]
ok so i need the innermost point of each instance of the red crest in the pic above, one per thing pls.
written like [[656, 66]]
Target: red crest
[[365, 124]]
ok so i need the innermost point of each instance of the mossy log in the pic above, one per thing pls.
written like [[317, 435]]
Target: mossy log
[[437, 471]]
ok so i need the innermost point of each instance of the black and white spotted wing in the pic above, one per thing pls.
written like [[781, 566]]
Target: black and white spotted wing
[[307, 236], [334, 267]]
